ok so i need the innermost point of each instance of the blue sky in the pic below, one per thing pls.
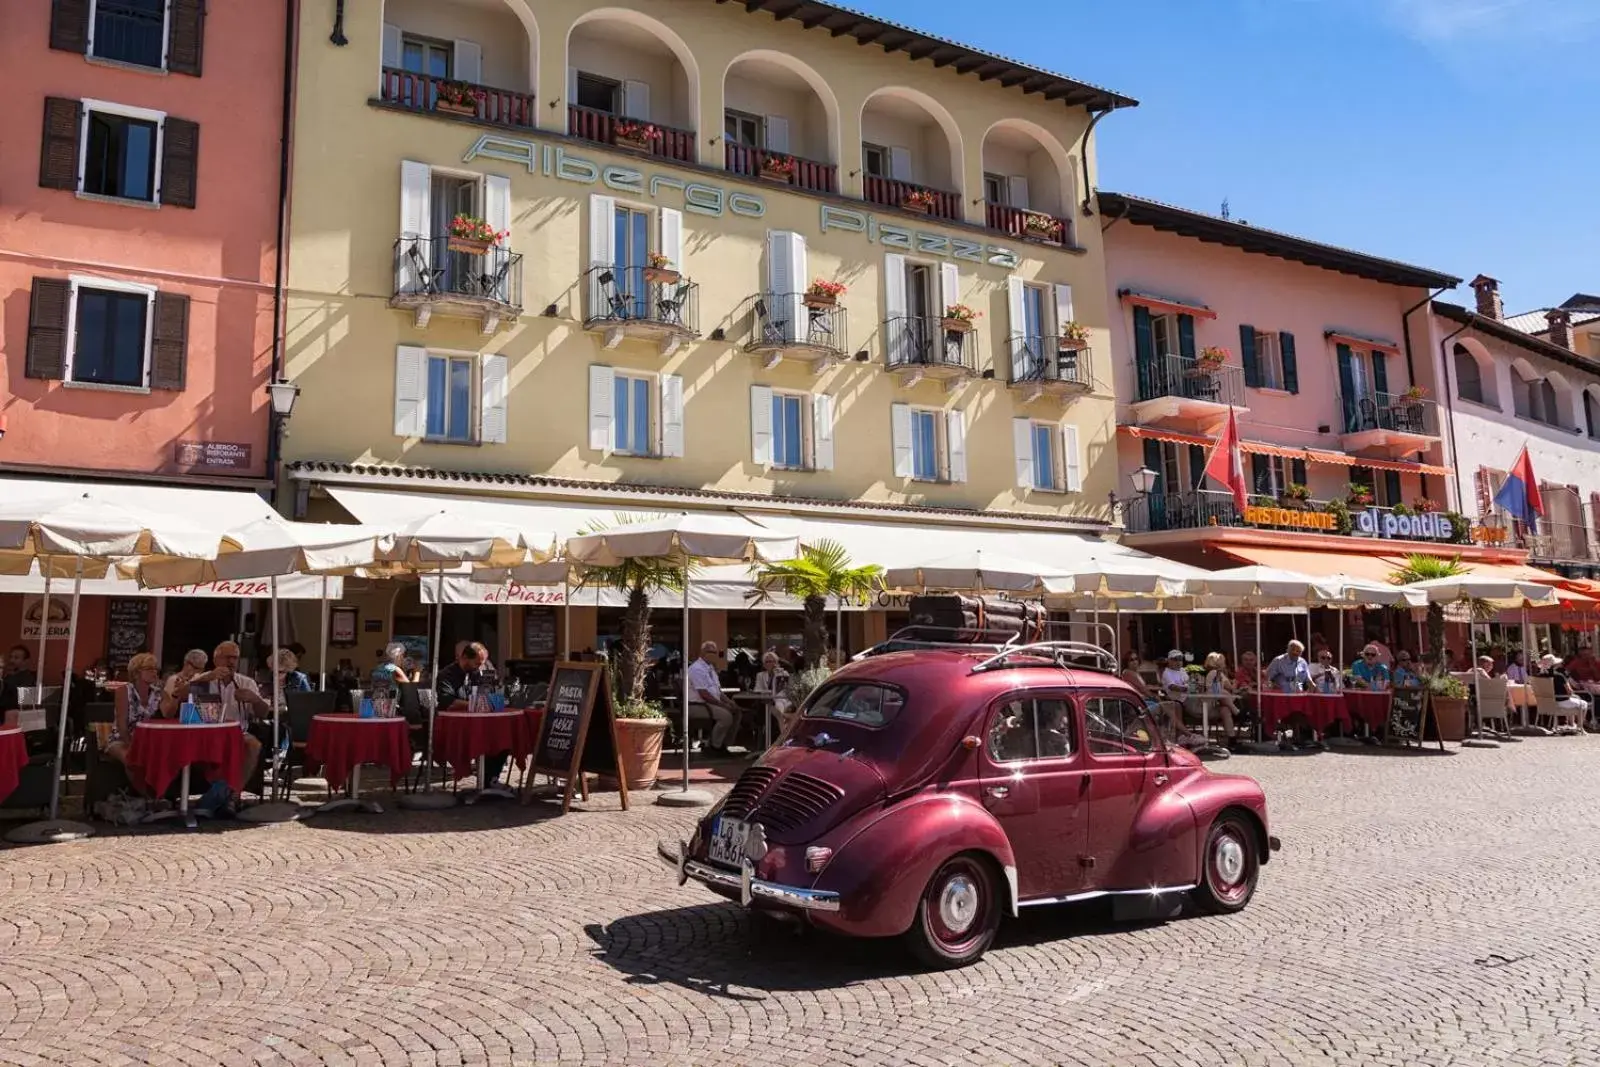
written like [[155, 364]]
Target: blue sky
[[1455, 134]]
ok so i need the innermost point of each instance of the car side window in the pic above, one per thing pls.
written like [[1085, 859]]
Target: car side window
[[1118, 727], [1027, 729]]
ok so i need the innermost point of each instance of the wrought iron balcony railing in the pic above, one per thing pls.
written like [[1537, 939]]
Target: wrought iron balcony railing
[[631, 295], [1189, 379], [1045, 360], [926, 343], [1360, 412], [427, 267], [785, 321]]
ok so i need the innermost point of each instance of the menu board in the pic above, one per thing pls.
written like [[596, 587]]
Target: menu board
[[571, 743], [127, 630], [538, 633]]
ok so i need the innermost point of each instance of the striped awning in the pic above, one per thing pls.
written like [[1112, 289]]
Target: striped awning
[[1266, 448], [1156, 302], [1356, 340]]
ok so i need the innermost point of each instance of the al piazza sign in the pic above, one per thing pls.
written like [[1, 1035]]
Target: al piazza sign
[[1373, 522]]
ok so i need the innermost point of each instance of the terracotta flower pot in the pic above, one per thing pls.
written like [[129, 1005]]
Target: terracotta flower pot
[[664, 275], [1451, 718], [1071, 344], [633, 144], [821, 300], [956, 325], [468, 245], [639, 746], [449, 107], [780, 176]]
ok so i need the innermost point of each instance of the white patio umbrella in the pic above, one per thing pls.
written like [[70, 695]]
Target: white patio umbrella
[[977, 571], [692, 539], [89, 531]]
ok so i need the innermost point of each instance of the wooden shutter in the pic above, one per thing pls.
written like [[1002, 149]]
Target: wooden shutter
[[392, 44], [950, 284], [636, 100], [1347, 387], [494, 387], [1297, 472], [410, 391], [672, 416], [761, 425], [1017, 191], [775, 131], [900, 163], [786, 281], [1391, 488], [1016, 292], [1247, 356], [1260, 474], [1291, 368], [822, 431], [602, 386], [900, 431], [186, 36], [467, 61], [1064, 313], [47, 328], [1197, 467], [672, 236], [1380, 376], [169, 342], [69, 26], [1022, 448], [1073, 453], [1144, 353], [894, 308], [1186, 336], [180, 158], [955, 430], [58, 146]]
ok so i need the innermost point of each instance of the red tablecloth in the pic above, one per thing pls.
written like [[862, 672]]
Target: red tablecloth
[[1323, 710], [460, 737], [13, 757], [339, 743], [1371, 708], [162, 749]]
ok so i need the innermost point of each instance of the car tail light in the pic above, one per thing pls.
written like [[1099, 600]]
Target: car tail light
[[817, 858]]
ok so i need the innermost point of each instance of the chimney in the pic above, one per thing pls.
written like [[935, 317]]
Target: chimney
[[1560, 321], [1488, 290]]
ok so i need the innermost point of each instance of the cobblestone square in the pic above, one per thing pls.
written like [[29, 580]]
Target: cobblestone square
[[1425, 910]]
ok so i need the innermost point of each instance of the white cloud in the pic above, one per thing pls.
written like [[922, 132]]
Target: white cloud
[[1493, 21]]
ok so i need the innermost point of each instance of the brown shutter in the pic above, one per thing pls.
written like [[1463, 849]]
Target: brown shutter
[[180, 157], [169, 342], [69, 25], [58, 145], [47, 328], [187, 37]]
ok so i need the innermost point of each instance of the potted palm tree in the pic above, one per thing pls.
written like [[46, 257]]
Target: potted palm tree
[[640, 724], [1421, 568], [821, 571]]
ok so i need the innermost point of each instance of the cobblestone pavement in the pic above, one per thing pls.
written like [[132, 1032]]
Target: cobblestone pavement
[[1425, 910]]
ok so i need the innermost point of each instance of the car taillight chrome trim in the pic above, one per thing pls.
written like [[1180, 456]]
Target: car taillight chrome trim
[[817, 857]]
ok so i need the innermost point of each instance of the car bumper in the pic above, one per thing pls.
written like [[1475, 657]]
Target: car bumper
[[749, 887]]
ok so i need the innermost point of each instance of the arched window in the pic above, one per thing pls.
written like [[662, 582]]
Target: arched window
[[1591, 415], [1469, 376], [1523, 396], [1549, 411]]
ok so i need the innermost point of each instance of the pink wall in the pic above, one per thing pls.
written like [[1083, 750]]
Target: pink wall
[[220, 253], [1272, 295]]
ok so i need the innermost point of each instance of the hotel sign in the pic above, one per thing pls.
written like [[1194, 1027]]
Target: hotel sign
[[1388, 525], [1290, 517]]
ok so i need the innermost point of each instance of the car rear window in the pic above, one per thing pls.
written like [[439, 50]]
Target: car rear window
[[863, 703]]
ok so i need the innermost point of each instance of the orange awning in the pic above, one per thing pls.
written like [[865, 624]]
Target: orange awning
[[1166, 303], [1265, 448], [1355, 340], [1315, 564]]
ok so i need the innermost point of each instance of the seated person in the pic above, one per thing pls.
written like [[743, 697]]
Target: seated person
[[1404, 676], [138, 700], [1583, 670], [1248, 674], [1517, 667], [453, 690], [393, 670], [241, 700], [1220, 685], [1369, 671], [1325, 674], [290, 677], [1174, 682], [772, 678], [175, 691], [1550, 667], [1130, 674], [1289, 672]]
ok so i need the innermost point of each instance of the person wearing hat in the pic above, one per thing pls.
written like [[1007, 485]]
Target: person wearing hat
[[705, 688], [1550, 667]]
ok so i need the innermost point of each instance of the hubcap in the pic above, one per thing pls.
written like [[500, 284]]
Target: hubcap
[[1230, 860], [958, 903]]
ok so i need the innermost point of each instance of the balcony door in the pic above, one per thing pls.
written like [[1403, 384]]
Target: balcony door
[[921, 311], [632, 248], [452, 196], [420, 55]]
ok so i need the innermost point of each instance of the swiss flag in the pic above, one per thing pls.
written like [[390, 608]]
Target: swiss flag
[[1226, 464]]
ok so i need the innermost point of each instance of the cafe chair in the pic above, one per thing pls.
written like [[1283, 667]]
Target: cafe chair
[[773, 331], [1493, 715], [299, 710], [1548, 707], [426, 273], [669, 309], [620, 303]]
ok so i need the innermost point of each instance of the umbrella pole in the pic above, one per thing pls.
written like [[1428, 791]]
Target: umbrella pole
[[1233, 630], [44, 620], [322, 680], [1341, 640], [687, 580], [566, 616], [1261, 689], [66, 690], [433, 678], [277, 682]]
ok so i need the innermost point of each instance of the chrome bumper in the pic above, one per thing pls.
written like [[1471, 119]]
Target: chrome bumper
[[750, 887]]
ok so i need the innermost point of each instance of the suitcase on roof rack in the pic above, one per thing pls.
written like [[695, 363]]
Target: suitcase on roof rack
[[980, 620]]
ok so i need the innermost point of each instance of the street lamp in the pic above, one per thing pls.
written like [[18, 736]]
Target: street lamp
[[283, 396], [1144, 480]]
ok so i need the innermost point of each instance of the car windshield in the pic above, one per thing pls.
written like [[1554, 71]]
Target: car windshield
[[865, 703]]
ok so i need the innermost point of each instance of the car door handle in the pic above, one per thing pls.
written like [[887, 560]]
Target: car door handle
[[999, 792], [1161, 779]]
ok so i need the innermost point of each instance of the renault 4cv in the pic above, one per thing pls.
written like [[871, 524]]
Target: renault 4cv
[[927, 790]]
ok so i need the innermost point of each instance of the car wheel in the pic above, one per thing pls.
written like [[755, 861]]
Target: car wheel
[[1231, 866], [958, 914]]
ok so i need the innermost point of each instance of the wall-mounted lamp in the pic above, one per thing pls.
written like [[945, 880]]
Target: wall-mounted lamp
[[862, 357], [283, 396], [337, 36], [719, 334], [1144, 480], [551, 311]]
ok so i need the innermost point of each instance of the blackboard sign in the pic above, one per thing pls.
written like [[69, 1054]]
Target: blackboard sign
[[127, 630], [577, 734], [538, 633], [1408, 720]]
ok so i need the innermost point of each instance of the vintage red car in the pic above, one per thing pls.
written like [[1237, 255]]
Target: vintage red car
[[926, 793]]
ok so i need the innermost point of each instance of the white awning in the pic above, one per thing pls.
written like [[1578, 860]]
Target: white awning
[[290, 587], [221, 508]]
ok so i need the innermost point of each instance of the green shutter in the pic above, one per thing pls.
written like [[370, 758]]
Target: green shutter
[[1261, 474], [1152, 459], [1391, 488], [1291, 369], [1297, 471], [1144, 356], [1186, 336], [1197, 466], [1247, 353], [1347, 389], [1380, 376]]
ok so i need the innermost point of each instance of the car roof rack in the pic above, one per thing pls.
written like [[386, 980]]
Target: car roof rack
[[1075, 655], [1007, 650], [919, 638]]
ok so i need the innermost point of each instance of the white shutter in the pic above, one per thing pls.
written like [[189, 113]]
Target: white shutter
[[822, 431], [1072, 459], [602, 251], [497, 203], [602, 386], [761, 425], [894, 308], [672, 416], [1017, 191], [410, 391], [391, 45], [468, 62], [900, 429], [1015, 295], [1022, 443], [572, 86], [636, 100], [672, 236], [415, 221], [777, 133], [950, 284], [1063, 307], [493, 387], [955, 430], [786, 280], [899, 163]]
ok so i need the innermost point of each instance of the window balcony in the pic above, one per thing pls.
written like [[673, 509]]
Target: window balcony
[[1049, 366], [445, 96], [1028, 225], [660, 306], [1390, 423], [440, 275], [806, 174], [1194, 510], [919, 199], [787, 326], [635, 135], [1565, 542], [1172, 389], [918, 348]]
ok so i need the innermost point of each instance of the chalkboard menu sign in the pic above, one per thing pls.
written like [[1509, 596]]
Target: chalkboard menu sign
[[1409, 720], [577, 734], [127, 630], [538, 633]]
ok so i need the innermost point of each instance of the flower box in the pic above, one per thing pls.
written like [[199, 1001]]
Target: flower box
[[1071, 344], [821, 300], [468, 245], [453, 107], [956, 325], [662, 275], [917, 207]]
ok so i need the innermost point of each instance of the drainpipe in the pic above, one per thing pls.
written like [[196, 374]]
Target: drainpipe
[[1411, 370], [280, 259], [1444, 367], [1088, 190]]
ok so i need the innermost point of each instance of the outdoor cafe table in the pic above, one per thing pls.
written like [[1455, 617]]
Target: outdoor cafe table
[[13, 757], [1320, 709], [763, 704], [1371, 707], [466, 739], [340, 744], [163, 750]]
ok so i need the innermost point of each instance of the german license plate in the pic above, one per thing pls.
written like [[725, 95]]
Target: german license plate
[[727, 841]]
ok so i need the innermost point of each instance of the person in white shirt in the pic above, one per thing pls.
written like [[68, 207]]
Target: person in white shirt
[[772, 677], [706, 688], [1174, 683], [242, 700], [1325, 674]]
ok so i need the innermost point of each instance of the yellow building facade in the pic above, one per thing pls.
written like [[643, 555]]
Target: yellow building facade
[[663, 182]]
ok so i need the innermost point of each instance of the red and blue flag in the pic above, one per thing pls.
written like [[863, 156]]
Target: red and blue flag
[[1519, 496]]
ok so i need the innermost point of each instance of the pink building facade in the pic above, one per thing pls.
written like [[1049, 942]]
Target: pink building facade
[[138, 242]]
